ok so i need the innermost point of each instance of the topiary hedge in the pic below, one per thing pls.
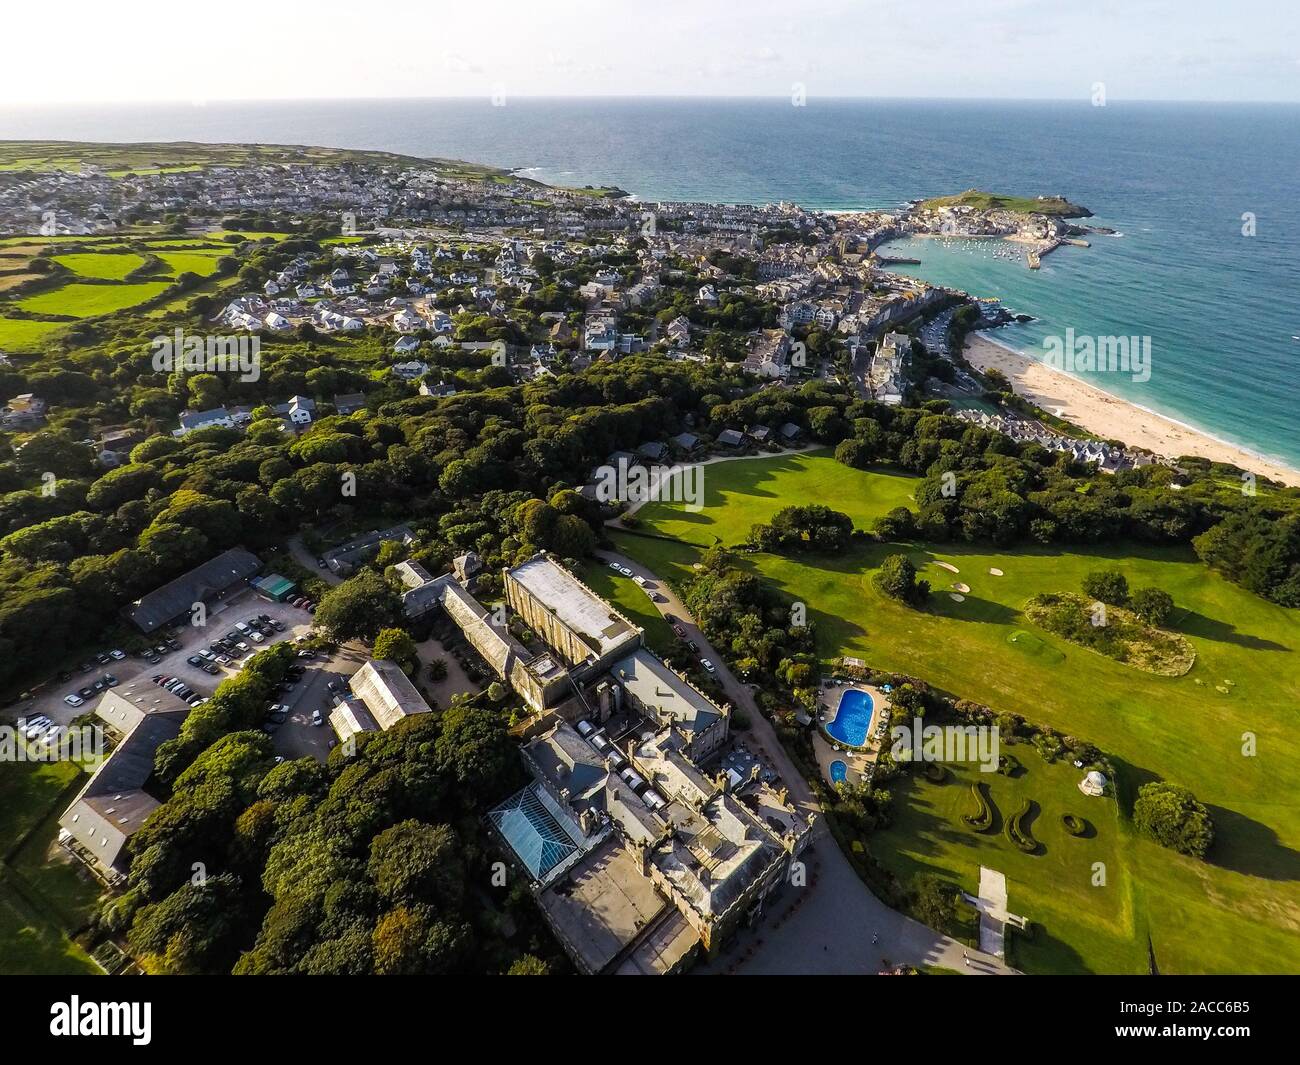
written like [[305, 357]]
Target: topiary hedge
[[1076, 826], [982, 819], [1016, 831]]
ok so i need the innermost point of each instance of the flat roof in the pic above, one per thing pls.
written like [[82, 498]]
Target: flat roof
[[656, 686], [578, 608], [604, 904]]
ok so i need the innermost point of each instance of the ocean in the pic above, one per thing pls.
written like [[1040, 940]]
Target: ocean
[[1203, 195]]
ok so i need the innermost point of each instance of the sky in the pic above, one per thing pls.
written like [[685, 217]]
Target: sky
[[183, 50]]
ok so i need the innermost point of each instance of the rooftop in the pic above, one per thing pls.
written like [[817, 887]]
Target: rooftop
[[387, 692], [570, 601], [653, 683]]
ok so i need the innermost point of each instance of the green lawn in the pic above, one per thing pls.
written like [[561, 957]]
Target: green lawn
[[631, 601], [1079, 927], [17, 334], [109, 266], [1238, 912], [202, 263], [741, 492], [43, 893], [86, 301], [31, 945]]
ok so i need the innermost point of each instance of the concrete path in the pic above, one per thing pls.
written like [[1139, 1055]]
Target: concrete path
[[827, 926]]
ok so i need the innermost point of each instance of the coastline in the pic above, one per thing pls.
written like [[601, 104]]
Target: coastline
[[1110, 417]]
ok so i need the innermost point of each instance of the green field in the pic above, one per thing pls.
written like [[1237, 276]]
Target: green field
[[987, 201], [1240, 911], [17, 334], [41, 897], [109, 266], [87, 301], [631, 601], [202, 263], [740, 492]]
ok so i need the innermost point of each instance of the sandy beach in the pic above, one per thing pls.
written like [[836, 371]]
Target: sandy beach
[[1110, 417]]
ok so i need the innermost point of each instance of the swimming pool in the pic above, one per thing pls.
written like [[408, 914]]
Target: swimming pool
[[839, 772], [853, 716]]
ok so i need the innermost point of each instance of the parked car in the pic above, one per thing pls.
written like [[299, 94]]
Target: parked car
[[679, 631], [152, 658], [316, 718], [615, 567], [638, 579], [279, 626], [695, 647], [111, 680], [320, 563], [194, 660], [311, 608], [307, 654], [86, 693], [210, 669], [206, 655], [116, 655], [625, 571], [85, 667], [102, 658], [242, 627], [334, 686], [73, 700], [709, 666]]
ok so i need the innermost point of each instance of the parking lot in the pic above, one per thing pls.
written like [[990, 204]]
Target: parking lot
[[49, 700], [298, 736]]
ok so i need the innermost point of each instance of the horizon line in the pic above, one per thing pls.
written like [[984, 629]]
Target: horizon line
[[200, 102]]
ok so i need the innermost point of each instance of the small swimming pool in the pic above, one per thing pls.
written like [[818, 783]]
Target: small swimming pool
[[852, 724], [839, 772]]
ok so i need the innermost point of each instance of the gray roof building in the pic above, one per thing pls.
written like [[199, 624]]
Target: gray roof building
[[201, 584]]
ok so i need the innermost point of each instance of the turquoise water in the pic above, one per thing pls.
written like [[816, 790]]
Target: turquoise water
[[839, 772], [852, 722], [1175, 179]]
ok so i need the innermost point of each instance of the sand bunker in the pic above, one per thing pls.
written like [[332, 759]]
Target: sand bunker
[[994, 571], [948, 566], [959, 587], [956, 598]]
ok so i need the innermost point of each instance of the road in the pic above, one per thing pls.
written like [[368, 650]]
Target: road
[[304, 558], [829, 930]]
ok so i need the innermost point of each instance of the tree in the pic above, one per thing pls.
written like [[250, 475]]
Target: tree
[[1153, 605], [933, 901], [358, 608], [1107, 586], [396, 645], [856, 453], [417, 863], [1172, 816], [528, 965], [475, 749], [896, 578]]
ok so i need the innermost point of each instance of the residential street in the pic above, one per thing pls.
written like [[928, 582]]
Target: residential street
[[831, 931]]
